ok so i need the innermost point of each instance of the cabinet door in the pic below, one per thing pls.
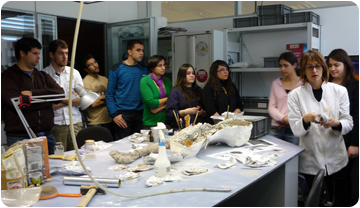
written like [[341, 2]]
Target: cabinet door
[[47, 32], [194, 50], [119, 34]]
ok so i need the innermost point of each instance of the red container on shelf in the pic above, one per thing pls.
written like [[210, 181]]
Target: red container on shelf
[[298, 49]]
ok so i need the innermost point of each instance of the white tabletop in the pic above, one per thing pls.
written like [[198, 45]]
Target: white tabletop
[[235, 178]]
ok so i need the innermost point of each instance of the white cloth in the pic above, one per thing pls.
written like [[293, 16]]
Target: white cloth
[[62, 114], [324, 148]]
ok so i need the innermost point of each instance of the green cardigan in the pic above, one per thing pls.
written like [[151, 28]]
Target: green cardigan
[[150, 96]]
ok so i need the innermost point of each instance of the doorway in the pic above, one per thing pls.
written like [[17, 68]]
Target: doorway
[[91, 40]]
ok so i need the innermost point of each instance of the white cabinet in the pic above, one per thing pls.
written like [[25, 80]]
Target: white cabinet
[[253, 44]]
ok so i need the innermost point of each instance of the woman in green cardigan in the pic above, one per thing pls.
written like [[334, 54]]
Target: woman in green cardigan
[[155, 89]]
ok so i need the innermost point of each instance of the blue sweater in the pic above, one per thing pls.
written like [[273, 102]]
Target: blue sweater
[[123, 90]]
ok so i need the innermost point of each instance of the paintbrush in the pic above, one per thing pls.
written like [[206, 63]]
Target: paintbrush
[[197, 113], [177, 120], [227, 113]]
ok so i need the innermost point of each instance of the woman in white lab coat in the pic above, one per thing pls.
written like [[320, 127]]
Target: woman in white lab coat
[[318, 113]]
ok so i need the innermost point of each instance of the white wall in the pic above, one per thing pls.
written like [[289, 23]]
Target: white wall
[[108, 11], [339, 27]]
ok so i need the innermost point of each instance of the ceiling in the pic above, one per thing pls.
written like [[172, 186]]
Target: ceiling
[[189, 10]]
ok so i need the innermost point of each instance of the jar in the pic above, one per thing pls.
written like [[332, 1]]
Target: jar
[[59, 148], [90, 149]]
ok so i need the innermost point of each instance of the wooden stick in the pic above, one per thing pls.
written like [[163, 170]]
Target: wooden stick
[[197, 113], [177, 120], [227, 113]]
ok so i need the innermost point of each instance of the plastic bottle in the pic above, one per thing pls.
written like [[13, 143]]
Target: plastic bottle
[[162, 163]]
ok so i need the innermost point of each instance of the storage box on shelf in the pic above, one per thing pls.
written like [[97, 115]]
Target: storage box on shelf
[[245, 22], [255, 102], [271, 20], [259, 126], [302, 17], [271, 62], [274, 9]]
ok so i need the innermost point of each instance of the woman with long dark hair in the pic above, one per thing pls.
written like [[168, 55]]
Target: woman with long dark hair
[[155, 89], [185, 98], [220, 92], [280, 89], [341, 72]]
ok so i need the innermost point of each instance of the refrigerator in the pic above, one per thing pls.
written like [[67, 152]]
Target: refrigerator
[[200, 49]]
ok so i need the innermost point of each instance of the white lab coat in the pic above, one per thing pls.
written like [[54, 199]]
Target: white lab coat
[[324, 148]]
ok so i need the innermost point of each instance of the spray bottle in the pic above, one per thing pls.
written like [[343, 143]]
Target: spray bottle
[[162, 163]]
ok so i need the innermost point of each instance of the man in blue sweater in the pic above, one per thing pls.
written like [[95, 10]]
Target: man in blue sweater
[[123, 96]]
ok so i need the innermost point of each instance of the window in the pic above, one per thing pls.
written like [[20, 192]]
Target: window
[[14, 25], [176, 11]]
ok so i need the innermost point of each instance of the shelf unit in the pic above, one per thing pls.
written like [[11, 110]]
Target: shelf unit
[[234, 44], [248, 43]]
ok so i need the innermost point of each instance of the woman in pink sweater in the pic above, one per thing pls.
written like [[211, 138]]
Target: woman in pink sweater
[[278, 98]]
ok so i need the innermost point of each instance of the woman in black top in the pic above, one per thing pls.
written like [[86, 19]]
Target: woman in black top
[[220, 92], [341, 72]]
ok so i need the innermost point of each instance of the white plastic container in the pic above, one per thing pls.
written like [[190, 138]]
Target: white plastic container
[[58, 149], [90, 149], [162, 163]]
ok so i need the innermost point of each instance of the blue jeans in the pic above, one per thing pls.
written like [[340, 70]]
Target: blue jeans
[[284, 134], [50, 139]]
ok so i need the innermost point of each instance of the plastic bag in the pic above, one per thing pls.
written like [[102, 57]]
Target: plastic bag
[[21, 197]]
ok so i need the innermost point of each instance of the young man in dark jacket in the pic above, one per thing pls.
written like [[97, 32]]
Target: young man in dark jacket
[[24, 79]]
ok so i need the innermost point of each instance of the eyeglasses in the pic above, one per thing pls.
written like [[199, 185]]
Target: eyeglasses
[[317, 67], [95, 62], [223, 70]]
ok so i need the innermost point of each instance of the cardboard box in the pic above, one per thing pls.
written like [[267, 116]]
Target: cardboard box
[[298, 49]]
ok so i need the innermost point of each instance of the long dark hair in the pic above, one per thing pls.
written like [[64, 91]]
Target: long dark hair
[[341, 56], [291, 58], [181, 84], [214, 81]]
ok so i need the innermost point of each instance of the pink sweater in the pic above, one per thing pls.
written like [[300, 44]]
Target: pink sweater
[[278, 101]]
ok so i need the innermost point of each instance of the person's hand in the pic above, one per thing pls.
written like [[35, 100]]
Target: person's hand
[[285, 120], [353, 151], [202, 113], [118, 120], [156, 110], [309, 117], [284, 126], [332, 123], [237, 110], [191, 111], [26, 92]]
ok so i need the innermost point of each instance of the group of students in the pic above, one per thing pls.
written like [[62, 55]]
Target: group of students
[[138, 97], [319, 87]]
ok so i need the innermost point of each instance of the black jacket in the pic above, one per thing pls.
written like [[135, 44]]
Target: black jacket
[[40, 116], [352, 86]]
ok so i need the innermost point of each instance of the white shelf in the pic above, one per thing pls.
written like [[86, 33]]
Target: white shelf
[[265, 28], [277, 69]]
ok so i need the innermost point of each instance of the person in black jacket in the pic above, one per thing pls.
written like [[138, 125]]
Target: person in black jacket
[[341, 72], [220, 92], [24, 79]]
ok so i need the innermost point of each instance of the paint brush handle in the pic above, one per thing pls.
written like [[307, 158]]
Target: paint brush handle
[[69, 195]]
